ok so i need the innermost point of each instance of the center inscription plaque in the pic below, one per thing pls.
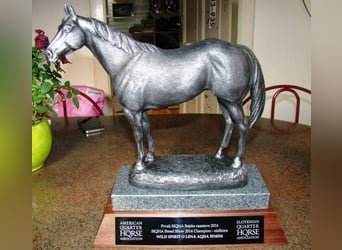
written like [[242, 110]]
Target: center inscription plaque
[[189, 230]]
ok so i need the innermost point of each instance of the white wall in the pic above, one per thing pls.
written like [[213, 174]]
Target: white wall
[[283, 45]]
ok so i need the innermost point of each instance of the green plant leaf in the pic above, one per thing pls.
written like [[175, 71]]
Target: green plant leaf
[[69, 94], [75, 102], [56, 74], [46, 67], [41, 56], [75, 91], [46, 76], [51, 93], [45, 87], [67, 84], [56, 83], [35, 70], [41, 109], [37, 99]]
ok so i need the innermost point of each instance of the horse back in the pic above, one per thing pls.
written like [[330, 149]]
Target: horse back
[[167, 77]]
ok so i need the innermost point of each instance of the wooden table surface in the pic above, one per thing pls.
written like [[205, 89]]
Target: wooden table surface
[[70, 192]]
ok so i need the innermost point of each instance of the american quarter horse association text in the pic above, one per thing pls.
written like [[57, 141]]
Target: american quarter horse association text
[[147, 77]]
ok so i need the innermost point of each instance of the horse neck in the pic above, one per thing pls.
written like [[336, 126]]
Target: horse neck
[[111, 57]]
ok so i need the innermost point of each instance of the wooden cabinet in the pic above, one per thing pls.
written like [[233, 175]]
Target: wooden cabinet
[[167, 30], [166, 22], [165, 27]]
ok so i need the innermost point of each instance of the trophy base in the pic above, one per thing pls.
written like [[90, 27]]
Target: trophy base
[[143, 217]]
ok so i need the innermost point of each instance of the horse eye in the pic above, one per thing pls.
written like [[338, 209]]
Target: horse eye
[[67, 28]]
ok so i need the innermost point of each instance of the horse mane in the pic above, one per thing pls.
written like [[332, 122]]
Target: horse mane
[[120, 40]]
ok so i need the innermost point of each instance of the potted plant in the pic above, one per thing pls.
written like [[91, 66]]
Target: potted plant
[[46, 85]]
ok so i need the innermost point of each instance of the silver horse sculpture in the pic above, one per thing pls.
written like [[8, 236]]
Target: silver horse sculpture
[[147, 77]]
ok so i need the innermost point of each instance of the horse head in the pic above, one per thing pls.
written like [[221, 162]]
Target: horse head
[[69, 37]]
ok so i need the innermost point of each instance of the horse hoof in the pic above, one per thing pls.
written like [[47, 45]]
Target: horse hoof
[[149, 157], [237, 163], [218, 156], [139, 166]]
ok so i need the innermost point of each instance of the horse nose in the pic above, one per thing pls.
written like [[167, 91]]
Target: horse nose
[[49, 55]]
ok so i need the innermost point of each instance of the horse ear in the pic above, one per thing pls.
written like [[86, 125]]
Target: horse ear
[[69, 10]]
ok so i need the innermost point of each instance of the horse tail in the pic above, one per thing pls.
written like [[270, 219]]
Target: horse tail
[[257, 90]]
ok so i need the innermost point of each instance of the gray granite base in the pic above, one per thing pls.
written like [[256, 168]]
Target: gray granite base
[[126, 197]]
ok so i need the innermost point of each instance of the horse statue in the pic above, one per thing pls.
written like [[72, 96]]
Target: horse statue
[[147, 77]]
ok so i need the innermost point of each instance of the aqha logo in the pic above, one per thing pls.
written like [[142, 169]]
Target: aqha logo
[[131, 230]]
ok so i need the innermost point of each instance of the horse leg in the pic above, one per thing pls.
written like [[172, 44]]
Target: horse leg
[[136, 123], [236, 112], [147, 129], [227, 132]]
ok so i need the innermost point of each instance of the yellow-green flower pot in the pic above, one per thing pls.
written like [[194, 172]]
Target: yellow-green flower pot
[[41, 144]]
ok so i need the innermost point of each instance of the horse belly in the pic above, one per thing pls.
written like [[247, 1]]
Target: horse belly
[[173, 91]]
